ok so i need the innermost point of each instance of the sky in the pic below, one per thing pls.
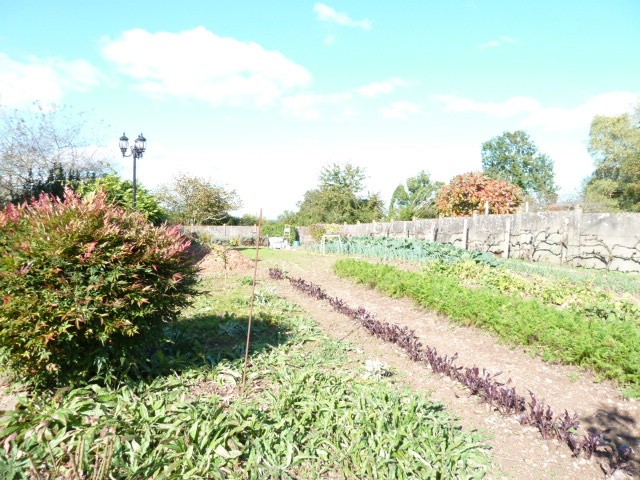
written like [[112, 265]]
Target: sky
[[258, 96]]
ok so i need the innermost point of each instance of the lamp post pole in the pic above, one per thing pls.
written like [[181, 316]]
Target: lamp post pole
[[137, 150]]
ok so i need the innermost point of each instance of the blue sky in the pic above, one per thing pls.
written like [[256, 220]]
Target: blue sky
[[258, 96]]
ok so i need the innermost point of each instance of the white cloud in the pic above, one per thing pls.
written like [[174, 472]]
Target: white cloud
[[313, 106], [533, 114], [502, 40], [197, 64], [308, 106], [44, 80], [378, 88], [330, 40], [400, 110], [327, 14]]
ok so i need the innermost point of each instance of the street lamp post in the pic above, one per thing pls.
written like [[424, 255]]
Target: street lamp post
[[137, 150]]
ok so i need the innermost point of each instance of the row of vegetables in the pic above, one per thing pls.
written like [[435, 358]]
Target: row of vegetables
[[501, 396], [475, 269]]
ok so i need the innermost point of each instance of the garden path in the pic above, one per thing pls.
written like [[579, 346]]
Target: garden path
[[519, 452]]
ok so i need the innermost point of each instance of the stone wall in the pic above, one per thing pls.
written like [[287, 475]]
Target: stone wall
[[591, 240]]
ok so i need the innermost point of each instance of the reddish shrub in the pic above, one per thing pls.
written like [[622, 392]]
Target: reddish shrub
[[85, 286], [468, 193]]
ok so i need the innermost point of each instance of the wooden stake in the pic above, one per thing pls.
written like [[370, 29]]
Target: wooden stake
[[253, 296]]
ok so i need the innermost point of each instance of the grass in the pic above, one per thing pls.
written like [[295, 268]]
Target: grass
[[273, 254], [306, 412], [609, 348]]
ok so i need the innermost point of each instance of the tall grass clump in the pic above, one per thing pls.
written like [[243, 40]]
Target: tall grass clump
[[85, 288]]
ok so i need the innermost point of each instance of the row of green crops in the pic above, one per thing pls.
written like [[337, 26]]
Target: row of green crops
[[405, 249], [621, 282], [579, 297], [609, 348], [478, 269], [307, 412]]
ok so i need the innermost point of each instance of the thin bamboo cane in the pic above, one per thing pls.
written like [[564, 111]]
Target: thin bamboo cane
[[253, 296]]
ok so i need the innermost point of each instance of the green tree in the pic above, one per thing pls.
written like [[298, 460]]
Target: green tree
[[55, 183], [194, 200], [600, 195], [120, 192], [470, 192], [337, 200], [614, 144], [40, 147], [415, 199], [248, 220], [514, 157]]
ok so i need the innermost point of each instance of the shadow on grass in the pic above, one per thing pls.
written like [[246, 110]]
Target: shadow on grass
[[206, 340]]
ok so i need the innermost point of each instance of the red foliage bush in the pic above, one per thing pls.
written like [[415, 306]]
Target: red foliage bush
[[85, 286], [467, 193]]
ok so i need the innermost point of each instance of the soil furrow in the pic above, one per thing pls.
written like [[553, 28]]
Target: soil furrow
[[519, 451]]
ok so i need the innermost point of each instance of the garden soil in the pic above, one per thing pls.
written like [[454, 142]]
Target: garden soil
[[518, 452], [220, 260]]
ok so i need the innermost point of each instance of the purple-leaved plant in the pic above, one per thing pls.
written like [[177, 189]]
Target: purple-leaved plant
[[502, 397]]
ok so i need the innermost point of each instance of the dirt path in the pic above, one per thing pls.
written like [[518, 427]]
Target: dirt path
[[519, 452]]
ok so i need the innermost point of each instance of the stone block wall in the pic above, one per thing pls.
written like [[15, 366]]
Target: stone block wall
[[590, 240]]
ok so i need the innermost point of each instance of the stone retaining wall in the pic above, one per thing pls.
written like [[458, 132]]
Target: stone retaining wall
[[592, 240]]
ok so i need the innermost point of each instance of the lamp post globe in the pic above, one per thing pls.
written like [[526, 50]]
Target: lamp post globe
[[137, 150]]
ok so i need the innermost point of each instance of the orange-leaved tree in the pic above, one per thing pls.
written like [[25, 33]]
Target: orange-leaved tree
[[469, 192]]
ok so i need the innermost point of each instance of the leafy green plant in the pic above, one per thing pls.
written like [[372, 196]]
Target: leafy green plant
[[407, 249], [302, 414], [276, 229], [120, 193], [318, 230], [579, 297], [85, 287], [609, 348], [196, 201], [620, 282]]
